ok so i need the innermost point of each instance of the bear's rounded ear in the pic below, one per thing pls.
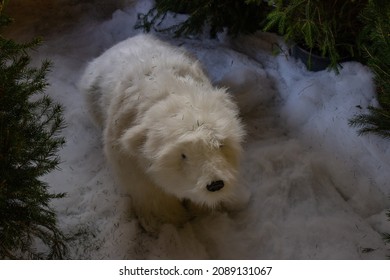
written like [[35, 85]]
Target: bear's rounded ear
[[133, 139]]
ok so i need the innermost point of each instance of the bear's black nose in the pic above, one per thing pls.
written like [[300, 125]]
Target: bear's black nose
[[215, 186]]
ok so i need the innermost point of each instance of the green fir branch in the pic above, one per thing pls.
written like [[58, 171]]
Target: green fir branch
[[237, 16], [30, 125], [376, 48]]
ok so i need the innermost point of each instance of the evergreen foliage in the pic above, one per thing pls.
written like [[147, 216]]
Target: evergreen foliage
[[376, 47], [238, 16], [329, 28], [29, 125]]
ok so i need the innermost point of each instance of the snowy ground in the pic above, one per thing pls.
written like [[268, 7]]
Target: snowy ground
[[319, 191]]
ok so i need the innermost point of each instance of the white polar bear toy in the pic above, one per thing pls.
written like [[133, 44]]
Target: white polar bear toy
[[172, 139]]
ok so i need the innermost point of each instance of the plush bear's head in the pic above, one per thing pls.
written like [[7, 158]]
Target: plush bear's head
[[190, 148]]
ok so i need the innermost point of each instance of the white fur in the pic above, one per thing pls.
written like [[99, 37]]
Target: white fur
[[168, 132]]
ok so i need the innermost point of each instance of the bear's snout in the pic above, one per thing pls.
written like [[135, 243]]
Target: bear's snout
[[215, 186]]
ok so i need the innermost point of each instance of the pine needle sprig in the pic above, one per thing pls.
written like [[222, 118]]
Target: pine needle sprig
[[377, 122], [325, 28], [30, 125], [376, 47], [236, 16]]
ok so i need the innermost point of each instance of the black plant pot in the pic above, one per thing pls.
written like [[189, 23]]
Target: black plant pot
[[312, 61]]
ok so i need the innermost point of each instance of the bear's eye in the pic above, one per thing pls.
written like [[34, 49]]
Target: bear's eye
[[183, 156]]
